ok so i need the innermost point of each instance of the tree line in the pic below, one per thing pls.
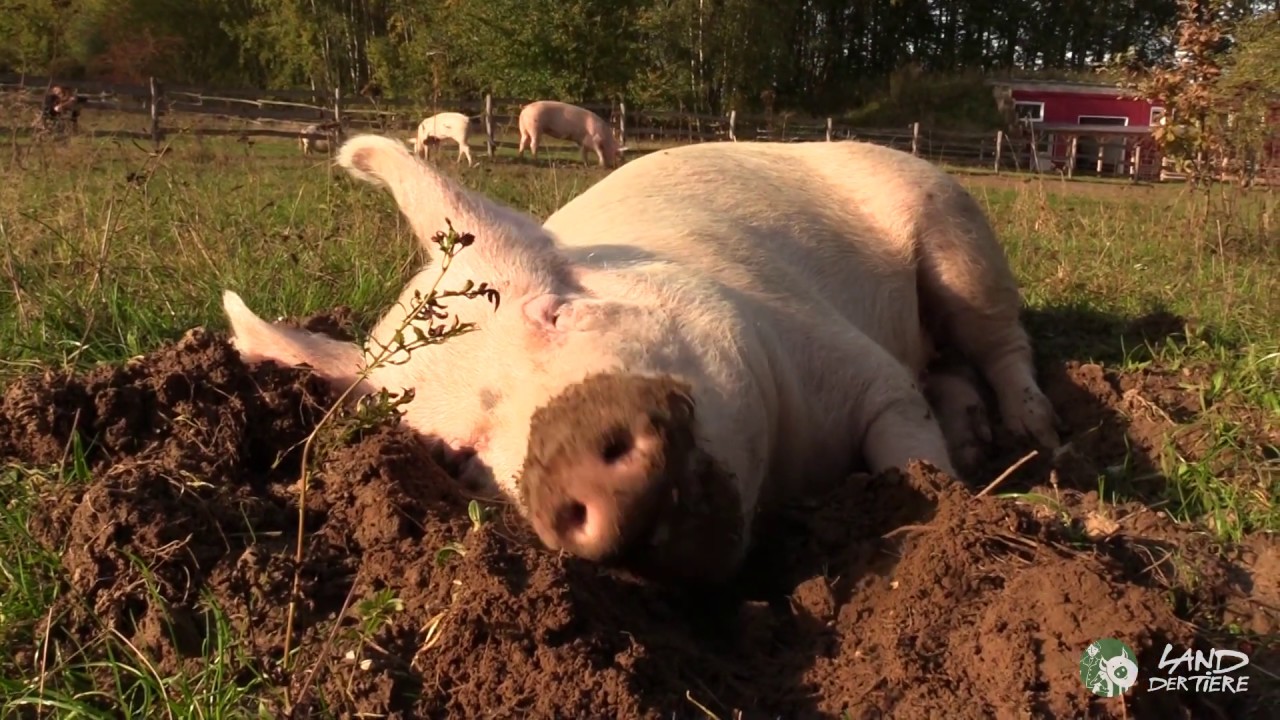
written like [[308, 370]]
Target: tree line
[[819, 56]]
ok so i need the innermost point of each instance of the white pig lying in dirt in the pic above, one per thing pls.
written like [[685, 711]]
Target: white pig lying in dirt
[[568, 122], [694, 337], [444, 126]]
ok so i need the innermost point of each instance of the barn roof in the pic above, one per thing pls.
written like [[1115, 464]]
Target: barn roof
[[1061, 86]]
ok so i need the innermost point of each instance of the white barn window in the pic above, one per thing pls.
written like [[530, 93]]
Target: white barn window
[[1102, 120], [1029, 110]]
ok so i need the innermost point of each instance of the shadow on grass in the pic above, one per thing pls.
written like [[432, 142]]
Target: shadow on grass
[[1079, 332]]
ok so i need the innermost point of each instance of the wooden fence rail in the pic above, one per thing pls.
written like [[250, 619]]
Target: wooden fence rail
[[290, 110]]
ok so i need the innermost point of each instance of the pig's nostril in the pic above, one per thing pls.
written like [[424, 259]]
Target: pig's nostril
[[572, 518], [617, 445]]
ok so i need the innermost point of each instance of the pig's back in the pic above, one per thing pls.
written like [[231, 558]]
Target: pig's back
[[827, 227], [448, 121]]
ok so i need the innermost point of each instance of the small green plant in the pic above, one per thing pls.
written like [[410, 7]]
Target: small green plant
[[448, 551], [373, 614], [408, 337], [376, 611], [375, 410], [478, 513], [78, 470], [1070, 528], [381, 408], [430, 307]]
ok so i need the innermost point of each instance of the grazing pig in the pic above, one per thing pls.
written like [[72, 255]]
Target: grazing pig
[[444, 126], [568, 122], [693, 338], [331, 130]]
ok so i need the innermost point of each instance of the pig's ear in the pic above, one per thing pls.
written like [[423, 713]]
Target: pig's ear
[[512, 243], [257, 340]]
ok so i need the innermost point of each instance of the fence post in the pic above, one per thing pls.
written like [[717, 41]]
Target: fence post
[[828, 129], [733, 125], [622, 122], [999, 143], [1071, 155], [915, 138], [337, 106], [490, 146], [156, 91], [1137, 159]]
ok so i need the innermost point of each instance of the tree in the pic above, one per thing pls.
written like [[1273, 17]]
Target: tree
[[1216, 88], [1250, 85], [821, 56], [1251, 71], [575, 50]]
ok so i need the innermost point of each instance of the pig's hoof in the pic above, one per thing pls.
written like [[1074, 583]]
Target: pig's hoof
[[1032, 417]]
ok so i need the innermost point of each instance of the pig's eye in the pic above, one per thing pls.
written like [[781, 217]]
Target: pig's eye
[[560, 315], [617, 444]]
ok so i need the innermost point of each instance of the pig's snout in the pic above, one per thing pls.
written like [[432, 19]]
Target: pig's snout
[[599, 478], [602, 477], [607, 496], [614, 473]]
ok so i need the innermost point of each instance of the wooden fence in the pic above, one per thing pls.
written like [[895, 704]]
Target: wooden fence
[[283, 113]]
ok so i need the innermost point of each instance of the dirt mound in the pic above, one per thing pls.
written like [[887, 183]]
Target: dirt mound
[[903, 595]]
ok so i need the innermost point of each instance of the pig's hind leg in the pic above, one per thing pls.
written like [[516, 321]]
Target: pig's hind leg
[[953, 391], [970, 301], [534, 137], [524, 143]]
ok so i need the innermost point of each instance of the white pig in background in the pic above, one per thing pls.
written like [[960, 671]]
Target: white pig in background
[[694, 337], [445, 126], [332, 131], [568, 122]]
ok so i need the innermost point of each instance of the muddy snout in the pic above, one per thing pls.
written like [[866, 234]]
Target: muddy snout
[[601, 476]]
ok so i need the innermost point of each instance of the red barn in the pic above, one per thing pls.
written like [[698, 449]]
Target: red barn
[[1108, 126], [1076, 103], [1271, 148]]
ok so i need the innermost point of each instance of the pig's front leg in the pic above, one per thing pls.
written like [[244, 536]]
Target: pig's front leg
[[905, 429]]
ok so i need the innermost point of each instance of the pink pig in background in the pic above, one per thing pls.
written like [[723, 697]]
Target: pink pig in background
[[568, 122], [696, 336]]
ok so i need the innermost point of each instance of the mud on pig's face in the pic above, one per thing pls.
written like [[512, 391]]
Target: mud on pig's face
[[615, 473]]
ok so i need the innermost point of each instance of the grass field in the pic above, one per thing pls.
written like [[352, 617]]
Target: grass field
[[106, 253]]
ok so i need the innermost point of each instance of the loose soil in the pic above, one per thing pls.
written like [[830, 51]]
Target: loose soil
[[905, 595]]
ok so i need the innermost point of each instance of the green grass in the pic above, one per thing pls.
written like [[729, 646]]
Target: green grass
[[106, 253], [95, 267], [1092, 258]]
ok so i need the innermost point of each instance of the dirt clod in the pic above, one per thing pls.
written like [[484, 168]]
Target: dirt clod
[[898, 595]]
